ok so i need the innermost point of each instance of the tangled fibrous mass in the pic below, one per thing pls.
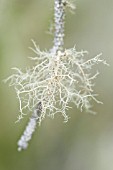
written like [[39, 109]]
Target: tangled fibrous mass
[[55, 80]]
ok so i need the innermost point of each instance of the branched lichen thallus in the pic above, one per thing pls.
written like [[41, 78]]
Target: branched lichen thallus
[[58, 77]]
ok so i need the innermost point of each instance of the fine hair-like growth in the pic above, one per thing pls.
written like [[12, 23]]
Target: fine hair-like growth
[[59, 77]]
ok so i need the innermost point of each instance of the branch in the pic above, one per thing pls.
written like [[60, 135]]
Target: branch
[[30, 128]]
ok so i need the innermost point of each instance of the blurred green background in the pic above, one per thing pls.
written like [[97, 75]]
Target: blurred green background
[[86, 141]]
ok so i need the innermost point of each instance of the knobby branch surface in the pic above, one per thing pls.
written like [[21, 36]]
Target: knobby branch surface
[[59, 21], [30, 128]]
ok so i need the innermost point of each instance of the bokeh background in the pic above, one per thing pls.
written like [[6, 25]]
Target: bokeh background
[[86, 141]]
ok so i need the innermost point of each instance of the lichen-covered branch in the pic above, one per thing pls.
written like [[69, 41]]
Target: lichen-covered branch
[[59, 20], [30, 128], [59, 77]]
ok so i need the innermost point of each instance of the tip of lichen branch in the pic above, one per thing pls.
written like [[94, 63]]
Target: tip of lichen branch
[[19, 149]]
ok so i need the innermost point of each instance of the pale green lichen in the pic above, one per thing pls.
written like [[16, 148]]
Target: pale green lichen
[[56, 80]]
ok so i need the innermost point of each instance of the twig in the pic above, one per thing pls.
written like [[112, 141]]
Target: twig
[[30, 128]]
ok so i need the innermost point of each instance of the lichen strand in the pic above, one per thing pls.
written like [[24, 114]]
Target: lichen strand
[[55, 81]]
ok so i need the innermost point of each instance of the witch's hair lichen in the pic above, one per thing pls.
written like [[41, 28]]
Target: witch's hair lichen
[[56, 80], [59, 77]]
